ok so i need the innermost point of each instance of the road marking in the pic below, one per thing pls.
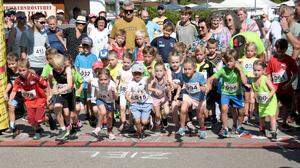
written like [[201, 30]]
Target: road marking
[[95, 154], [132, 156]]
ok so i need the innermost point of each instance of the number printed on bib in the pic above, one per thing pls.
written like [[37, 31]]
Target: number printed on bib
[[230, 87], [279, 77], [122, 89], [60, 86], [139, 96], [86, 74], [263, 98], [29, 94], [192, 88], [39, 53]]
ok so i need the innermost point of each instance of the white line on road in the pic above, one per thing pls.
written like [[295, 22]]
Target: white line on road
[[95, 154]]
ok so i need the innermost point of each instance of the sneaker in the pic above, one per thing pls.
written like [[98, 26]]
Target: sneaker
[[151, 124], [37, 136], [223, 133], [191, 126], [111, 136], [104, 127], [240, 130], [64, 134], [273, 136], [121, 127], [246, 120], [181, 131], [165, 122], [9, 131], [96, 131], [202, 134]]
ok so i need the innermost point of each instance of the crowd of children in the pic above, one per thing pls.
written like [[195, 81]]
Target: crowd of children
[[150, 85]]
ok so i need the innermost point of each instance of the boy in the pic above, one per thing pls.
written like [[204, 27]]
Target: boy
[[114, 66], [140, 45], [32, 88], [165, 43]]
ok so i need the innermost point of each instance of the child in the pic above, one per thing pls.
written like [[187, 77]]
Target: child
[[149, 60], [12, 74], [266, 99], [177, 78], [282, 70], [32, 88], [140, 45], [247, 64], [213, 56], [103, 94], [182, 49], [160, 89], [165, 43], [231, 95], [193, 96], [83, 64], [124, 77], [114, 66], [119, 45], [63, 95], [139, 99]]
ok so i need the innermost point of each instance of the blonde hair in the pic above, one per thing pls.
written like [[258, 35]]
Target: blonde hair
[[200, 48], [230, 54], [50, 52], [23, 63], [140, 33], [58, 61], [251, 44]]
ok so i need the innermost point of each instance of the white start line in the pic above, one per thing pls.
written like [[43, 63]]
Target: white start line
[[127, 155]]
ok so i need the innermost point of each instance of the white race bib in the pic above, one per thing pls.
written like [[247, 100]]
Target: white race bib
[[29, 94], [279, 77], [263, 98], [230, 87], [122, 89], [59, 86], [192, 88], [249, 67], [86, 74], [139, 96], [39, 52]]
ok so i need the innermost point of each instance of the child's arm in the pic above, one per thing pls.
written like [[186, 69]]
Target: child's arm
[[177, 92], [8, 88], [271, 87], [294, 76], [128, 98], [93, 94], [209, 83], [242, 75], [79, 90], [69, 81]]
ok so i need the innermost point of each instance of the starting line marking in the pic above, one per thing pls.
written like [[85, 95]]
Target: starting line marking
[[127, 155]]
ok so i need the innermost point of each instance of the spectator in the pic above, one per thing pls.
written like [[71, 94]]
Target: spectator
[[152, 28], [74, 36], [76, 13], [291, 30], [55, 35], [266, 22], [196, 20], [204, 34], [160, 18], [109, 25], [247, 24], [185, 31], [232, 23], [13, 43], [34, 43], [91, 24], [60, 16], [130, 24]]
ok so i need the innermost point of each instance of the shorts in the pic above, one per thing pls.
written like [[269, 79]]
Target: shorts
[[141, 111], [108, 106], [66, 100], [78, 100], [249, 81], [159, 102], [194, 104], [212, 98], [86, 96], [35, 115], [285, 99], [123, 101], [235, 101]]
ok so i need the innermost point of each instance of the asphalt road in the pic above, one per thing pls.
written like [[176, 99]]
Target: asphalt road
[[147, 157]]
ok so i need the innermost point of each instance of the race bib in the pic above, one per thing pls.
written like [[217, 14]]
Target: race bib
[[106, 97], [29, 94], [192, 88], [59, 86], [86, 74], [279, 77], [39, 52], [122, 89], [230, 87], [263, 98], [139, 96], [248, 67], [176, 81]]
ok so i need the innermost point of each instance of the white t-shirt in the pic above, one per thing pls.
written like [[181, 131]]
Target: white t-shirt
[[100, 40], [105, 93], [138, 91], [125, 78]]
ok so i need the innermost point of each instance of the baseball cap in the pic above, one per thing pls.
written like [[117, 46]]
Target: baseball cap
[[160, 7], [97, 64], [137, 68], [81, 19], [60, 11], [87, 40], [103, 54]]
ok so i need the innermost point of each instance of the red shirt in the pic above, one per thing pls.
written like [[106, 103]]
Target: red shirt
[[281, 72], [32, 89], [119, 50]]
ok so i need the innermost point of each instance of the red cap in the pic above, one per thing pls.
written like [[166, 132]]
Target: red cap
[[97, 64]]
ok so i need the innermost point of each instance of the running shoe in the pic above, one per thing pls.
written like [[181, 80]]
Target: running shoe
[[37, 136], [111, 136], [165, 122], [202, 134], [181, 131], [191, 126], [273, 136], [223, 133], [64, 135], [9, 131], [96, 131]]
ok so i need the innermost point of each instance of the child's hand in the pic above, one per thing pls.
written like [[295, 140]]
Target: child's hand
[[5, 96], [158, 92], [248, 86], [176, 97], [203, 88]]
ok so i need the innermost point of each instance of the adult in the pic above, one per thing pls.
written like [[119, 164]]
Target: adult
[[34, 43], [55, 35], [60, 17], [266, 23], [99, 36], [247, 24], [91, 24], [160, 18], [74, 36], [13, 43], [196, 20], [291, 31], [204, 34], [130, 24], [109, 25], [232, 23], [152, 27], [219, 32], [186, 32], [76, 12]]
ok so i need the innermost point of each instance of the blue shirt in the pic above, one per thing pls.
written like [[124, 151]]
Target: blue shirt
[[151, 28], [84, 65], [164, 46], [54, 41], [192, 86]]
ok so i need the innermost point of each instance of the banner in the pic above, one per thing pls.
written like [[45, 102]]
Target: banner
[[3, 78], [30, 8]]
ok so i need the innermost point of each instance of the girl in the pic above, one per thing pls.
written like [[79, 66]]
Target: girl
[[161, 94], [247, 64], [139, 99], [63, 95], [193, 96], [103, 94], [231, 94], [119, 45], [124, 77], [266, 99]]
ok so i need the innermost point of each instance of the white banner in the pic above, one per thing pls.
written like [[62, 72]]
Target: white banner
[[30, 8]]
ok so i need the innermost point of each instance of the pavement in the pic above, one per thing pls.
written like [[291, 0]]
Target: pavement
[[84, 138]]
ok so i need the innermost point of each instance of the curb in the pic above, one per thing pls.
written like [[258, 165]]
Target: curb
[[144, 144]]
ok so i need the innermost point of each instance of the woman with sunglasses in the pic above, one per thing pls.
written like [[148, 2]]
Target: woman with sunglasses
[[232, 23]]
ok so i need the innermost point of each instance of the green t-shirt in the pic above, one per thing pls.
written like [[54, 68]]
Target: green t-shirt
[[146, 70], [231, 81], [78, 80], [46, 71]]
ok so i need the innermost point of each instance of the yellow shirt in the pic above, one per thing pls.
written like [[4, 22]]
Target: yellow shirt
[[114, 72], [130, 28], [247, 64]]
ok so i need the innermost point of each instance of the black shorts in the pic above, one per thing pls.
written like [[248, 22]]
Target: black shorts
[[67, 100], [212, 98]]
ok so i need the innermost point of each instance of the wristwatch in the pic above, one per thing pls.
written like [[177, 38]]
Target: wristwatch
[[285, 31]]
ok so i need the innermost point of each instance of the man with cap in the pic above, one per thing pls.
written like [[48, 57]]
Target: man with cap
[[16, 32], [34, 42], [160, 18], [60, 16], [130, 24], [74, 36]]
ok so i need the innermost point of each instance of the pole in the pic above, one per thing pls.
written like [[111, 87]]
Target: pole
[[3, 78]]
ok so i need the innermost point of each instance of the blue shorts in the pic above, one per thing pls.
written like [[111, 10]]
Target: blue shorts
[[108, 106], [141, 111], [235, 101]]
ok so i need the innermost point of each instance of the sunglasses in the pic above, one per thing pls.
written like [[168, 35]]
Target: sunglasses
[[80, 23], [128, 11], [42, 22], [202, 27]]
